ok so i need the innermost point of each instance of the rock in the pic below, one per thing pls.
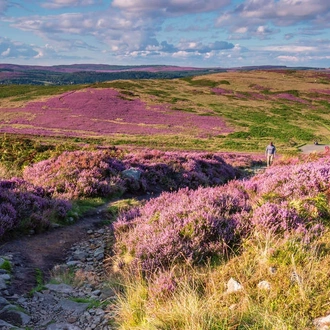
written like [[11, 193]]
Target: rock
[[73, 307], [264, 285], [233, 286], [62, 288], [5, 325], [14, 316], [2, 261], [5, 277], [3, 284], [3, 302], [322, 323], [80, 255], [63, 326], [132, 173]]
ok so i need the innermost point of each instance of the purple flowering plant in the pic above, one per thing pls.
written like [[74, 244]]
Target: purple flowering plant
[[80, 174], [191, 226], [185, 226], [25, 207]]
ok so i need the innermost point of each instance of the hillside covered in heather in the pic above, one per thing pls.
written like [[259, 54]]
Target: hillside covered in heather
[[237, 111]]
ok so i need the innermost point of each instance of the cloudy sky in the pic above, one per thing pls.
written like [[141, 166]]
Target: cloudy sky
[[199, 33]]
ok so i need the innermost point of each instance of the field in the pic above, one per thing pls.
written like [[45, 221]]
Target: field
[[205, 237], [229, 111]]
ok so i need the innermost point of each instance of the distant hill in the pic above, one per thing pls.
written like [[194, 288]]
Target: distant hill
[[92, 73]]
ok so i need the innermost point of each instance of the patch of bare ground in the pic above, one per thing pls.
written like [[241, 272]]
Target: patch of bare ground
[[44, 251]]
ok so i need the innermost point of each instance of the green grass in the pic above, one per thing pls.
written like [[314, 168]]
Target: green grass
[[201, 302], [201, 82], [39, 282], [114, 208], [83, 206], [16, 152], [30, 92], [6, 265], [92, 303]]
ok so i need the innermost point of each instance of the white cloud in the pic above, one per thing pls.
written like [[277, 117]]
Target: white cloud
[[14, 49], [290, 48], [286, 58], [39, 55], [6, 52], [242, 29], [169, 7], [134, 30], [256, 13], [56, 4], [284, 11]]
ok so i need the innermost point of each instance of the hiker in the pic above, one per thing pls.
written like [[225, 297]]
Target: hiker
[[270, 153]]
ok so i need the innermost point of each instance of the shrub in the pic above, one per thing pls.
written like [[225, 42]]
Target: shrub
[[78, 174], [100, 173], [189, 226], [192, 226], [25, 207]]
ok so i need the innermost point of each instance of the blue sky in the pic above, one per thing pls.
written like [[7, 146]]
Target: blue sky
[[208, 33]]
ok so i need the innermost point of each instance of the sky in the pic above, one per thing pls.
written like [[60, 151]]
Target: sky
[[195, 33]]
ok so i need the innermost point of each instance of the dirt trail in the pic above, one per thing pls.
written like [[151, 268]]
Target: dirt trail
[[308, 148], [44, 251]]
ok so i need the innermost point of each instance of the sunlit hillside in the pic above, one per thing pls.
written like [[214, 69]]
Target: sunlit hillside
[[237, 110]]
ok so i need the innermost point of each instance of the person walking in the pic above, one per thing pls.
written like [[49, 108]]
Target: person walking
[[270, 153]]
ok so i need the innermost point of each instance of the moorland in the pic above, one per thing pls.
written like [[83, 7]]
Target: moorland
[[219, 245]]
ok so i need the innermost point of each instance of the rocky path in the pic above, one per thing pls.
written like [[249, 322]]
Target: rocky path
[[80, 248]]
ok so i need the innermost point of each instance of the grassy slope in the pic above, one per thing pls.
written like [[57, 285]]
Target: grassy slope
[[250, 105]]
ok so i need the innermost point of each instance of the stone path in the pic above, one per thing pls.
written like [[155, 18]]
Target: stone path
[[62, 306]]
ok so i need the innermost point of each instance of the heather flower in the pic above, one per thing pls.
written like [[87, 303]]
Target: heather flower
[[88, 174], [276, 218], [23, 206], [188, 226], [78, 174], [292, 181], [8, 217], [107, 113]]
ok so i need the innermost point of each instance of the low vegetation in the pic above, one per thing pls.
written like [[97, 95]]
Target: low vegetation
[[217, 240], [59, 189], [177, 255], [246, 255]]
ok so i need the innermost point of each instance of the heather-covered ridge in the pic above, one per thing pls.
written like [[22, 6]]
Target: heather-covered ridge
[[103, 113], [226, 111], [189, 226], [44, 194], [81, 174], [25, 207]]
